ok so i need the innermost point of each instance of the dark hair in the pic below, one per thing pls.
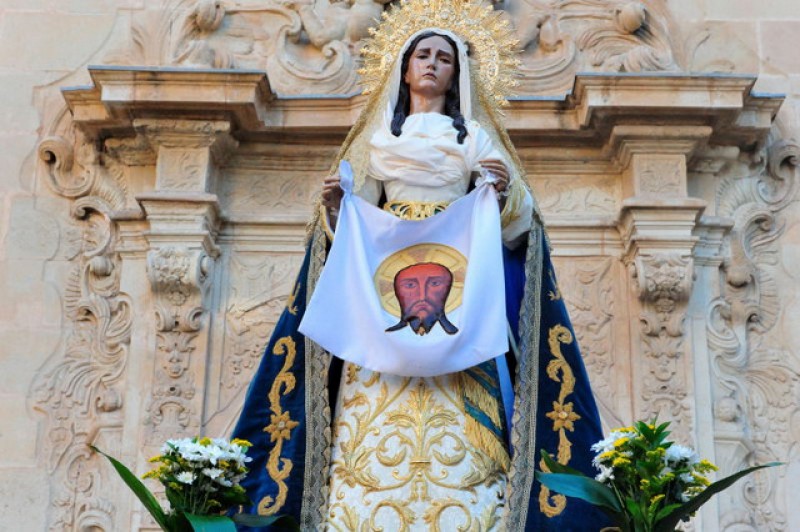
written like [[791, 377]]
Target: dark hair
[[452, 99]]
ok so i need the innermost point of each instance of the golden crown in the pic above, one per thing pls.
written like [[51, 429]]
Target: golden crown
[[491, 40]]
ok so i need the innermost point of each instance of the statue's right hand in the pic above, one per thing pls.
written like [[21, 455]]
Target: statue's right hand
[[332, 192]]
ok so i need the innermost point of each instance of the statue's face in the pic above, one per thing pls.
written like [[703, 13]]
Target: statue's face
[[422, 291], [431, 67]]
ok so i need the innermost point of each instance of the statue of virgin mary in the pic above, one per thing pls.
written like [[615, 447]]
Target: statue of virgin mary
[[340, 446]]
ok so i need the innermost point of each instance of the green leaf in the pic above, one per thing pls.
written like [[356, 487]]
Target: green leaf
[[635, 510], [582, 487], [284, 522], [149, 501], [668, 523], [666, 510], [211, 523], [556, 467]]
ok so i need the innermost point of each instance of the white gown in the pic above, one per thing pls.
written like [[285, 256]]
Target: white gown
[[401, 458]]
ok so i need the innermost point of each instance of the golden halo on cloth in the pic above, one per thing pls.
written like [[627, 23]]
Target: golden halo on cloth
[[449, 257], [492, 41]]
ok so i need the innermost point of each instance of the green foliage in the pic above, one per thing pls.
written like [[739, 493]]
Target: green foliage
[[201, 480], [139, 489], [646, 483]]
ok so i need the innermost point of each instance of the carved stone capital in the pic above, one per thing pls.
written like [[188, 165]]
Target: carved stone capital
[[188, 151], [664, 283], [178, 278]]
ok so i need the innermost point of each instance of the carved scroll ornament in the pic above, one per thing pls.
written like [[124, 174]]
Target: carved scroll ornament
[[313, 46], [755, 381], [79, 389]]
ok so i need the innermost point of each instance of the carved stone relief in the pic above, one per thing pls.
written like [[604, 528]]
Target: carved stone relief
[[587, 286], [571, 196], [178, 277], [79, 390], [561, 38], [258, 195], [756, 377], [261, 287], [664, 282], [312, 46]]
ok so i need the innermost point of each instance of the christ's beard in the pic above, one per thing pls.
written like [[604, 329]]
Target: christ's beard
[[423, 324]]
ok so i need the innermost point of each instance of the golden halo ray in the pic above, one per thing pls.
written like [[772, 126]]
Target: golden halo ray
[[492, 41]]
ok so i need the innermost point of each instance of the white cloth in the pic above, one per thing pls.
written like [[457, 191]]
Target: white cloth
[[427, 160], [345, 314], [426, 163]]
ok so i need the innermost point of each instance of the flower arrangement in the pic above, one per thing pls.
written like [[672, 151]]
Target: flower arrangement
[[201, 477], [646, 483]]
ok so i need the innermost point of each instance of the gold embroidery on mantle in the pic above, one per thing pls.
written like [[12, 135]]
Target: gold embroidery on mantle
[[280, 427], [562, 415], [290, 301], [406, 436], [415, 210], [554, 294]]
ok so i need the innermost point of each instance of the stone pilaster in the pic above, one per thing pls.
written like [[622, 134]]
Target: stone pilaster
[[657, 225], [183, 221]]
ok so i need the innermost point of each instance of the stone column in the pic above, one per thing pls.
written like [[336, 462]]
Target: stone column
[[657, 225]]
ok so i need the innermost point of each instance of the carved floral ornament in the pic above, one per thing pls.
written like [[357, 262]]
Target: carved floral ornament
[[314, 46]]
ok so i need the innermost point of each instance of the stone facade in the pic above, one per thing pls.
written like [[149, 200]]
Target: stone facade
[[161, 158]]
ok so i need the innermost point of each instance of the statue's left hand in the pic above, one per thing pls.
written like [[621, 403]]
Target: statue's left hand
[[500, 171]]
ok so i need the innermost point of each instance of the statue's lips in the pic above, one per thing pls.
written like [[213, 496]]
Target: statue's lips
[[429, 76]]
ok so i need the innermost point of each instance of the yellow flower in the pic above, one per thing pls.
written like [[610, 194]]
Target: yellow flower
[[700, 479], [657, 498], [621, 441], [280, 426], [621, 462], [156, 458], [241, 443], [205, 442], [706, 466], [607, 455], [563, 416]]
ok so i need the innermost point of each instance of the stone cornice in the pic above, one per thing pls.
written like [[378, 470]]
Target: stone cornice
[[597, 104]]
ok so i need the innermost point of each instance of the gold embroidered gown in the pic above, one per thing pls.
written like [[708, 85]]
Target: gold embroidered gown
[[402, 456]]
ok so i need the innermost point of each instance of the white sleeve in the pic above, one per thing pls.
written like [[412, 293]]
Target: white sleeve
[[481, 147], [517, 223]]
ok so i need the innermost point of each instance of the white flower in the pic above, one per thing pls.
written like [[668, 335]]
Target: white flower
[[686, 478], [678, 453], [185, 477], [212, 473], [606, 473]]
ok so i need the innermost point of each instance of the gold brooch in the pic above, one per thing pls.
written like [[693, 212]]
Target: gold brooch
[[492, 41]]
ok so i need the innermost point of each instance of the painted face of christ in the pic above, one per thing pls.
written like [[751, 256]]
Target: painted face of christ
[[422, 290]]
